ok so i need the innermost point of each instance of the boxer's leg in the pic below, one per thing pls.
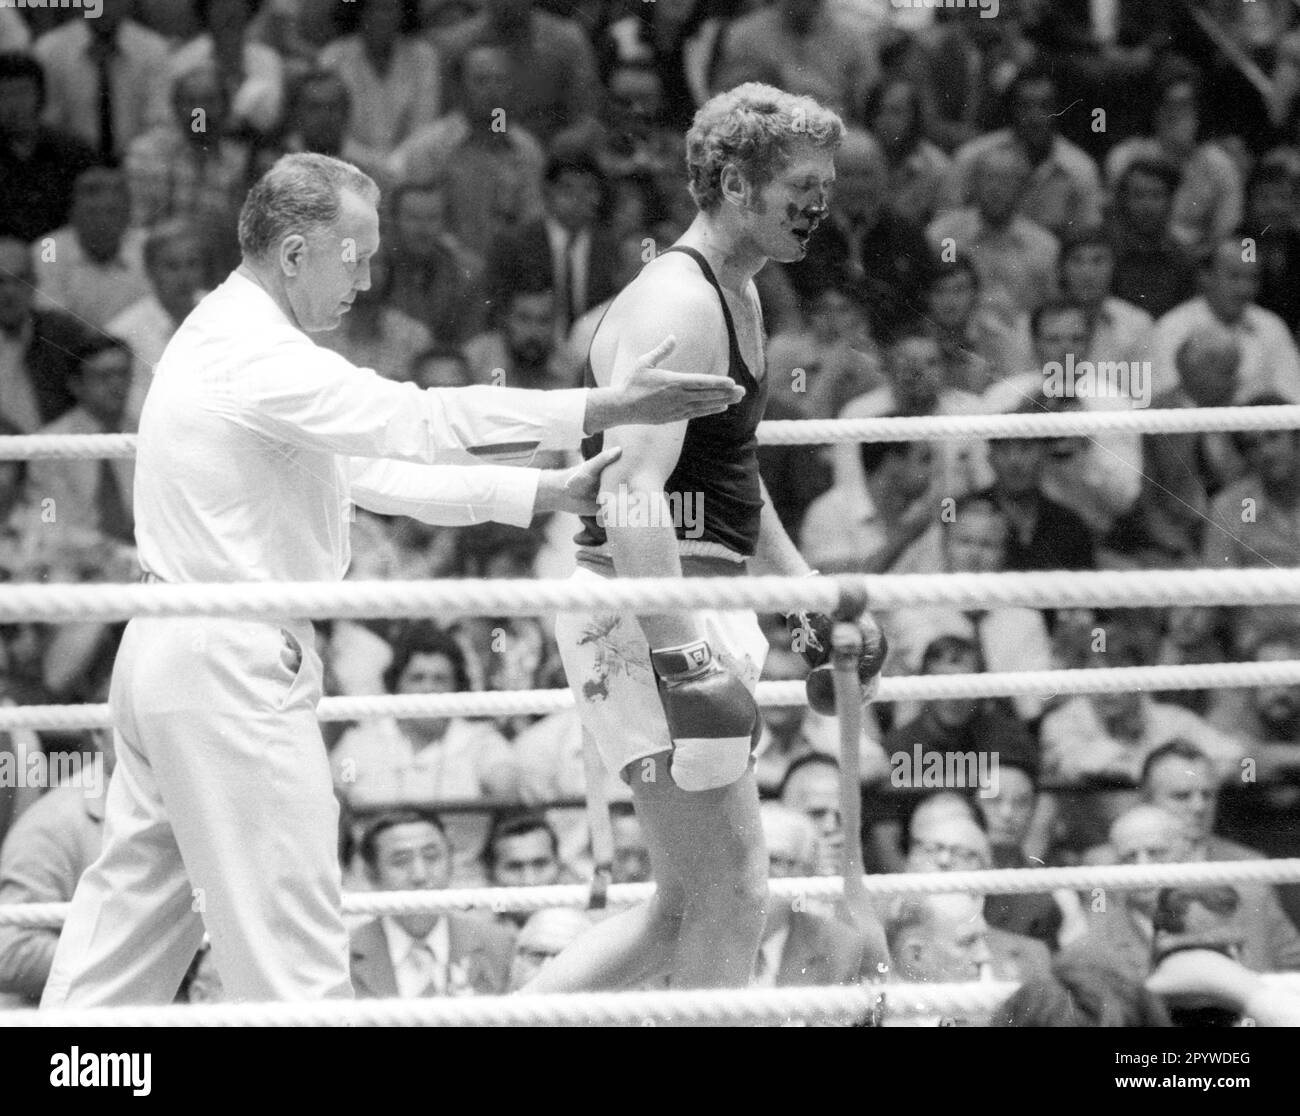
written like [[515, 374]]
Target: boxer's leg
[[706, 848], [712, 843]]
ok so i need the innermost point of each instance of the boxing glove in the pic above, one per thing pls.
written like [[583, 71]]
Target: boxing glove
[[811, 637], [712, 717]]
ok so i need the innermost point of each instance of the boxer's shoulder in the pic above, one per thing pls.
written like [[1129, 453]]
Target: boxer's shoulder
[[664, 299]]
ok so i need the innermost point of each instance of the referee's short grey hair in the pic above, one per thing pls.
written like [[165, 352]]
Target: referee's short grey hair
[[299, 194]]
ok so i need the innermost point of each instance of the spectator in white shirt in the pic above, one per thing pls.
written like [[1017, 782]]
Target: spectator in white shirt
[[319, 119], [252, 71], [914, 371], [395, 76], [1111, 735], [549, 754], [253, 445], [76, 56], [1015, 256], [1209, 201], [849, 530], [188, 166], [174, 263], [981, 341], [427, 759], [970, 537], [1117, 330], [1064, 186], [94, 267], [1098, 477], [1229, 279], [493, 171]]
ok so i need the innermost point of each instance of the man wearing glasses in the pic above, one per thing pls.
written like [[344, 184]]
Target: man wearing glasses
[[946, 834]]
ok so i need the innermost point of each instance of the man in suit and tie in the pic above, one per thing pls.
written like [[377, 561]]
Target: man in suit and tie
[[949, 837], [804, 947], [566, 249], [416, 955], [90, 501], [938, 939], [1250, 922], [36, 346]]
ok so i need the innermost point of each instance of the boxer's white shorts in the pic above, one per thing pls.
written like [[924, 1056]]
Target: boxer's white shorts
[[607, 661]]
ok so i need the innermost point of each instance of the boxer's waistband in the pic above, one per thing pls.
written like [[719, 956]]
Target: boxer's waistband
[[686, 548]]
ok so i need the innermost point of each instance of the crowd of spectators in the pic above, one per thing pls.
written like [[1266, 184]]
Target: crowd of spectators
[[1111, 186]]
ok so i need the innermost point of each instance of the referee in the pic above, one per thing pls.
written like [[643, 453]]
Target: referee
[[254, 444]]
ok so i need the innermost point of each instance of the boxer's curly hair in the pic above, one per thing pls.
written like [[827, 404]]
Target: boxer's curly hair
[[753, 126], [299, 194]]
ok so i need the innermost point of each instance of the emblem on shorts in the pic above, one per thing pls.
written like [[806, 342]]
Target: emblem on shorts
[[616, 653]]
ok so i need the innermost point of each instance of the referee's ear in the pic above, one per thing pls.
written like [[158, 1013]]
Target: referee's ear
[[292, 248]]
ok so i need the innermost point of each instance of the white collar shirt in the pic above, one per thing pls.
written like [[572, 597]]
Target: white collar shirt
[[420, 965]]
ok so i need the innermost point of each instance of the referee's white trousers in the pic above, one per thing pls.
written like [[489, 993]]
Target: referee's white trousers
[[220, 813]]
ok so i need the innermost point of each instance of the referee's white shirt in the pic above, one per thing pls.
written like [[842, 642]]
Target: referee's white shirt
[[255, 442]]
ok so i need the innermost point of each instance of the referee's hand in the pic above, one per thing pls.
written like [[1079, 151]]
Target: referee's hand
[[573, 490], [651, 396]]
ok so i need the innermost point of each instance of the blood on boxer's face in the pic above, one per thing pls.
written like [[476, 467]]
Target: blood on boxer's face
[[786, 212], [332, 265]]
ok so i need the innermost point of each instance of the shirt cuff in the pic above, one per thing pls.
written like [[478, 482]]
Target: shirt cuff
[[515, 496], [567, 413]]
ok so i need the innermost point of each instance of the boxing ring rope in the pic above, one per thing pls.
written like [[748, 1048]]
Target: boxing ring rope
[[992, 881], [812, 432], [452, 599], [687, 1007], [770, 695], [751, 1007]]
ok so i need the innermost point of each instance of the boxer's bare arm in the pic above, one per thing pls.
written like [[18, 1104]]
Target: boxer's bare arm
[[775, 553], [650, 453]]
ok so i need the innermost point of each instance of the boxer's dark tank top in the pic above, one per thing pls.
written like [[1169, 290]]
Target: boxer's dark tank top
[[719, 457]]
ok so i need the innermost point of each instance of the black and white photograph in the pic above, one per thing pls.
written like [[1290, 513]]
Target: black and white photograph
[[572, 514]]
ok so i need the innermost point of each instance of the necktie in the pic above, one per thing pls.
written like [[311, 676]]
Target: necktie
[[107, 141], [1207, 468], [565, 293], [426, 966], [115, 519]]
